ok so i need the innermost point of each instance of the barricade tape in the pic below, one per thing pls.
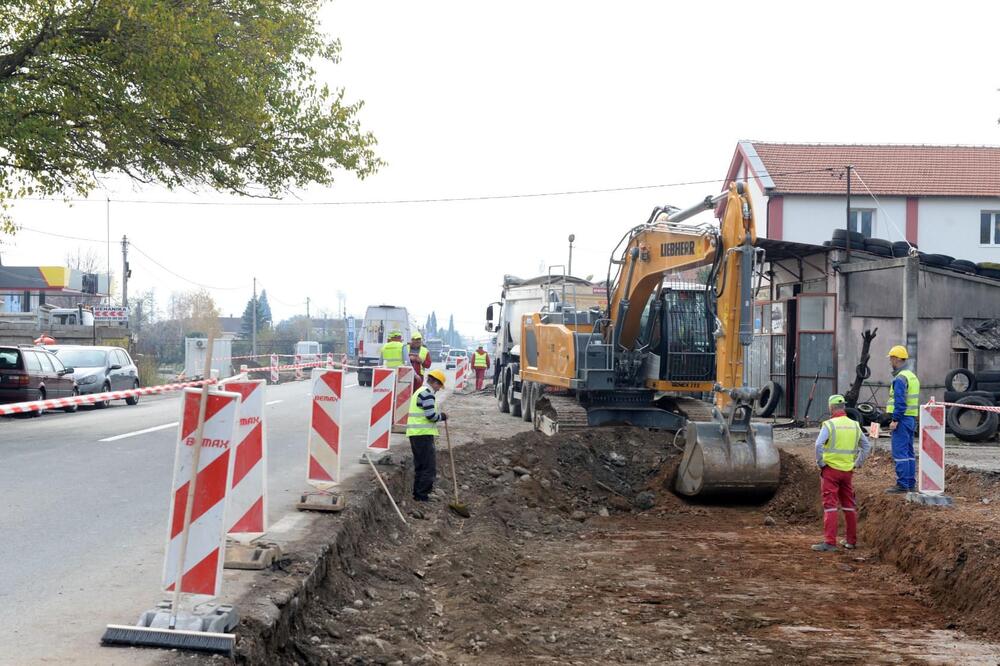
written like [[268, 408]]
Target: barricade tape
[[982, 408], [56, 403]]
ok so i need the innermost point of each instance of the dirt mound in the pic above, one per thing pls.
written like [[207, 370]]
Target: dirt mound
[[797, 499]]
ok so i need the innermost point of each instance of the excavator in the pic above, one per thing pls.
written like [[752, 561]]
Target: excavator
[[660, 345]]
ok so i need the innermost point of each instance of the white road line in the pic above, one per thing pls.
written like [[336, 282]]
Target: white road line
[[348, 386], [139, 432], [273, 402]]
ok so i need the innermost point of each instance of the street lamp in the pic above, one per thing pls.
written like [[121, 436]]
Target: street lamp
[[569, 269]]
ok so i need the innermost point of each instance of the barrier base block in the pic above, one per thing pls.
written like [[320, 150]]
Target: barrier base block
[[254, 556], [399, 429], [930, 500], [322, 502], [213, 618], [377, 458]]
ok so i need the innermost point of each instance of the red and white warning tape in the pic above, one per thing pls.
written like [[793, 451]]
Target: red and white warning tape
[[981, 408], [58, 403]]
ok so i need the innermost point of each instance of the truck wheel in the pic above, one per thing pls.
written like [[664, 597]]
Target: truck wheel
[[515, 404], [527, 401], [501, 391]]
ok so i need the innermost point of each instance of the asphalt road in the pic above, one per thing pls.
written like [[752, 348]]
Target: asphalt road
[[84, 501]]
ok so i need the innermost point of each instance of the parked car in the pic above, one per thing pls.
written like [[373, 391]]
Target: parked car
[[453, 356], [100, 369], [32, 373]]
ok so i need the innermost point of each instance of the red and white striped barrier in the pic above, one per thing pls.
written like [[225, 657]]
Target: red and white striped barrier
[[275, 378], [461, 370], [203, 557], [324, 429], [403, 393], [380, 422], [90, 399], [329, 361], [931, 478], [298, 368], [981, 408], [248, 494]]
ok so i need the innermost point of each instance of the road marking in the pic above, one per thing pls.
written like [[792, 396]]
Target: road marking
[[139, 432], [350, 385], [273, 402]]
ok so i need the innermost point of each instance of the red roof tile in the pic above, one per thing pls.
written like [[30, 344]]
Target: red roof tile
[[964, 171]]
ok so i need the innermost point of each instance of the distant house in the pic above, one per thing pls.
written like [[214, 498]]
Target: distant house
[[231, 327], [944, 199]]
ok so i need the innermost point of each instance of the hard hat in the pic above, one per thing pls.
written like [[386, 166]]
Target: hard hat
[[899, 351], [438, 375], [395, 334], [836, 399], [417, 336]]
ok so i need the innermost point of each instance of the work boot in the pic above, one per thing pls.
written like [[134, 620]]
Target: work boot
[[824, 547], [848, 546], [895, 490]]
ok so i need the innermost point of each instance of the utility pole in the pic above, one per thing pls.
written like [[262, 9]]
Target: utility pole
[[126, 273], [307, 307], [569, 269], [253, 326]]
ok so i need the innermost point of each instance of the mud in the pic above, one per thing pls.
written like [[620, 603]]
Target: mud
[[577, 553]]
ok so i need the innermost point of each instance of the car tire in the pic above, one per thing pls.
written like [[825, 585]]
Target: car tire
[[768, 399], [104, 404], [853, 414], [901, 249], [955, 396], [133, 400], [501, 393], [988, 376], [984, 429], [963, 266], [38, 412], [966, 377], [857, 238], [73, 408], [938, 260]]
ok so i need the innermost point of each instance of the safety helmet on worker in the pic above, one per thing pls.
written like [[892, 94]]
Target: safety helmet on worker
[[438, 375], [416, 336], [395, 334], [836, 400], [899, 351]]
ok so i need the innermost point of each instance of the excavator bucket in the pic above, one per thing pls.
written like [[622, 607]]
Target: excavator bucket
[[727, 458]]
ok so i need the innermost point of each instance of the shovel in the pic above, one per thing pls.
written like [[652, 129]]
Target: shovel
[[456, 506]]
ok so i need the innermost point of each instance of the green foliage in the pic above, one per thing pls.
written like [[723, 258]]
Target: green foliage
[[195, 93], [263, 316]]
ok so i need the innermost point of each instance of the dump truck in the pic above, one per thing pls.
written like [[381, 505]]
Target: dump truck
[[651, 351]]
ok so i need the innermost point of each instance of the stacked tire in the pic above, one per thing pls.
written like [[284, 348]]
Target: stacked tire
[[964, 387]]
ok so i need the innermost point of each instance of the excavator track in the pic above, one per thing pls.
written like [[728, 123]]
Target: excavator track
[[557, 413], [694, 409]]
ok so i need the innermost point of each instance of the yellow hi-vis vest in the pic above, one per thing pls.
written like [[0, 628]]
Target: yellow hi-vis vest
[[421, 353], [416, 422], [392, 354], [480, 360], [912, 395], [841, 446]]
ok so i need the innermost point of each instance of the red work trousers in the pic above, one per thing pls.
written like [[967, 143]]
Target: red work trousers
[[838, 492], [480, 377]]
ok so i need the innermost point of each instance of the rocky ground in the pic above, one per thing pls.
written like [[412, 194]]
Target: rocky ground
[[577, 553]]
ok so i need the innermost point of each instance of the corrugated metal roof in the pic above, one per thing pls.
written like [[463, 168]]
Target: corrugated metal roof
[[985, 336]]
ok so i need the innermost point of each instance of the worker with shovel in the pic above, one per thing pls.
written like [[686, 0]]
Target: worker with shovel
[[840, 447], [421, 428], [904, 406]]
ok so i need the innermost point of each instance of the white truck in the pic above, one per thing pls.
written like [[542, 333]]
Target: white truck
[[520, 297], [380, 320], [308, 351]]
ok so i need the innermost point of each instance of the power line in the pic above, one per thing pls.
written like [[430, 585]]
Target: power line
[[181, 277], [102, 241], [385, 202]]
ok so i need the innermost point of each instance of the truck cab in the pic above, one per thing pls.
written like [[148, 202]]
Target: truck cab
[[379, 321]]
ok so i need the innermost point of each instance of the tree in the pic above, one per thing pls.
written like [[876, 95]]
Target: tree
[[263, 316], [88, 262], [219, 94], [265, 309], [142, 310]]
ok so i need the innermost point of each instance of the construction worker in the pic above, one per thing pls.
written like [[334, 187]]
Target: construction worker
[[480, 362], [392, 351], [421, 428], [420, 358], [838, 454], [904, 405]]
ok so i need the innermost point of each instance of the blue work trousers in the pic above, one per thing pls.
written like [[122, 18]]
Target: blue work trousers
[[902, 453]]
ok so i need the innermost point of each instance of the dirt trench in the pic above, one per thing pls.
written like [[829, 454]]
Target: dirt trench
[[577, 553]]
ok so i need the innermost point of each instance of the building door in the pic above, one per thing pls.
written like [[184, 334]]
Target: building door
[[767, 354], [815, 354]]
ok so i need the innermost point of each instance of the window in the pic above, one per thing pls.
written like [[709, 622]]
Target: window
[[56, 362], [127, 360], [989, 228], [31, 361], [866, 218]]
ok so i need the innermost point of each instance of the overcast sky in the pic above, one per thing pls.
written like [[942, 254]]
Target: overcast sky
[[473, 98]]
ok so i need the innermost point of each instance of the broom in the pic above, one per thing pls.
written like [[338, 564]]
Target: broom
[[456, 506]]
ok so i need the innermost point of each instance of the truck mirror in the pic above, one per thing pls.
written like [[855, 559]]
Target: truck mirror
[[489, 318]]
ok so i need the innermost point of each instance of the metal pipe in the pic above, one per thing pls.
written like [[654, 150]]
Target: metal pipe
[[623, 304], [708, 203]]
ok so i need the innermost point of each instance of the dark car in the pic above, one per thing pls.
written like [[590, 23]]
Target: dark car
[[32, 373], [100, 369]]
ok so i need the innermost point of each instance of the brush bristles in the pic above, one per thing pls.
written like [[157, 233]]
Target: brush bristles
[[171, 639]]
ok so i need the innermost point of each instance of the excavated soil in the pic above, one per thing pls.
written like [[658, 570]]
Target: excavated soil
[[577, 553]]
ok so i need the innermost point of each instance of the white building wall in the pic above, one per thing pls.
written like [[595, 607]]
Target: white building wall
[[812, 219], [951, 226]]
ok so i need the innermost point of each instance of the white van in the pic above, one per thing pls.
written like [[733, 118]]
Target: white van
[[308, 350], [380, 320]]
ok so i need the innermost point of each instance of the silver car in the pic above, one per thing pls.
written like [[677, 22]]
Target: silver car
[[100, 369]]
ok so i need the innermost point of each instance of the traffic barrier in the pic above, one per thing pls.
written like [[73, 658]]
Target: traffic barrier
[[58, 403], [931, 477], [403, 392], [324, 429], [329, 361], [460, 374], [298, 368], [275, 378], [206, 539], [247, 513], [380, 421]]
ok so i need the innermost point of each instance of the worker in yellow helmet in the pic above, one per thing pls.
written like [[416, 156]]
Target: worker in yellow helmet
[[392, 351], [841, 447], [421, 429], [904, 406], [419, 357]]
